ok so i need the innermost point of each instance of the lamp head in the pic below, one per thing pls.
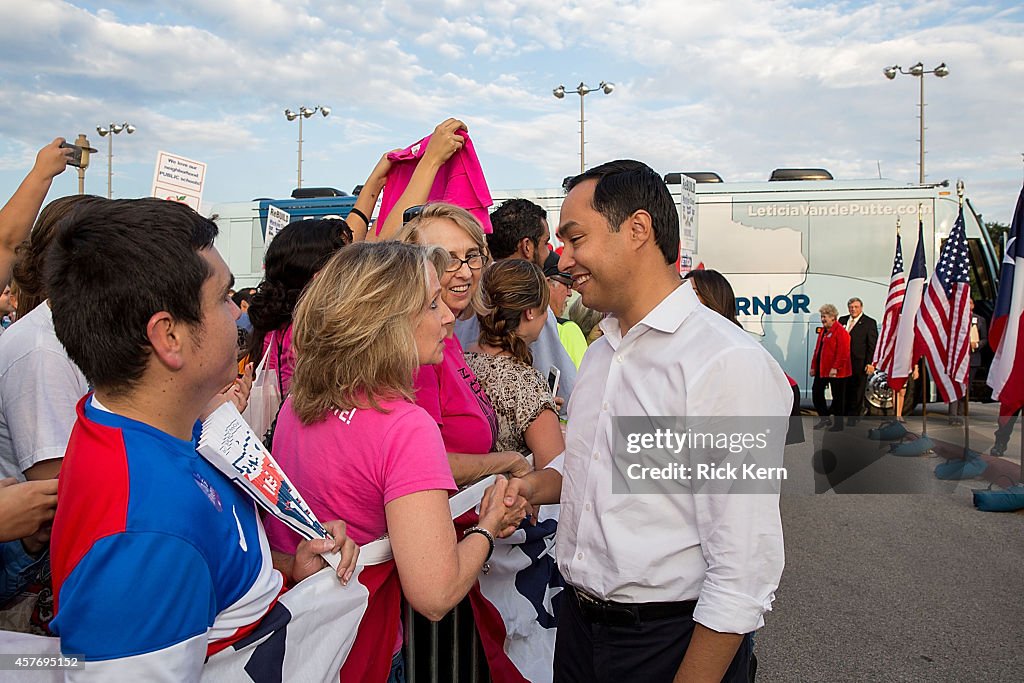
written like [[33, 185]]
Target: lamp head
[[891, 71], [290, 115], [325, 111], [306, 112], [917, 69], [116, 128], [102, 131], [129, 128], [942, 70], [607, 87], [559, 92]]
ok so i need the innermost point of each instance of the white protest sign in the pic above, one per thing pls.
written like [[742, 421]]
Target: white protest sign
[[276, 220], [179, 179], [688, 214]]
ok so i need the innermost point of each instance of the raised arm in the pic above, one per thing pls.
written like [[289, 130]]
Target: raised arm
[[17, 216], [358, 218], [444, 142]]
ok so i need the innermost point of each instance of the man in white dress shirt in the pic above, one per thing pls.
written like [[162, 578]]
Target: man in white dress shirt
[[661, 587]]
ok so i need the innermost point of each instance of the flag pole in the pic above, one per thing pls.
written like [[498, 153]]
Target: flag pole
[[967, 391], [923, 366]]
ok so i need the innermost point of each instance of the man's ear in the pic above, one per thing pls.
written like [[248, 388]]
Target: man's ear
[[641, 229], [526, 248], [167, 337]]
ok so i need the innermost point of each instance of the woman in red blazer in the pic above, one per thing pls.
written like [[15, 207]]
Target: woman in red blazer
[[830, 365]]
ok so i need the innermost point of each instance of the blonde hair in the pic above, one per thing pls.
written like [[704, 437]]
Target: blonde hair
[[508, 288], [354, 328], [411, 233]]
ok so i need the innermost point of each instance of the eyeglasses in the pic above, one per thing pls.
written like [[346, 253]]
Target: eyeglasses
[[411, 213], [474, 261]]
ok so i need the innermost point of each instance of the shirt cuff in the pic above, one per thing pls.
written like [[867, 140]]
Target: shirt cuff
[[557, 464], [726, 611]]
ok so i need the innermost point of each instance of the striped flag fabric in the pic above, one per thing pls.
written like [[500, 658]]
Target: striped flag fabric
[[1006, 334], [904, 352], [890, 319], [943, 324]]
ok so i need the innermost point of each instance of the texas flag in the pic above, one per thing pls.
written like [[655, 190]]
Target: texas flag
[[904, 355], [1006, 336]]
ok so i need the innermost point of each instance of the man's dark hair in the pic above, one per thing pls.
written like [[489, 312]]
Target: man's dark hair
[[511, 222], [111, 266], [626, 186], [244, 294]]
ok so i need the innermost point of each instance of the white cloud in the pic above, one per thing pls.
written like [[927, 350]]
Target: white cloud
[[740, 87]]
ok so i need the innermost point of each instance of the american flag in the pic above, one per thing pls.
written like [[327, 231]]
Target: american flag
[[891, 317], [943, 323]]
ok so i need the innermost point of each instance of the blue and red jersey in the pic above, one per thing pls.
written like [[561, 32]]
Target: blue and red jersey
[[158, 559]]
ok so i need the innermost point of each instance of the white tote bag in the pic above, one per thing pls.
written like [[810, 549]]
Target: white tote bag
[[266, 396]]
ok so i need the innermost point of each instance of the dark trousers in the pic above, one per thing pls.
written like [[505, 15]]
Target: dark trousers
[[853, 402], [649, 652], [838, 385]]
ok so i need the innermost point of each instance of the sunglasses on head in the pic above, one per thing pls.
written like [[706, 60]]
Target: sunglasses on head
[[411, 213]]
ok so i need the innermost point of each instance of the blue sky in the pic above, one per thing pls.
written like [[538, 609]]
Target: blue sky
[[737, 87]]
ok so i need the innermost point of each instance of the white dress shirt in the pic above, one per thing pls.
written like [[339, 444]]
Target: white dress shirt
[[723, 550], [851, 321]]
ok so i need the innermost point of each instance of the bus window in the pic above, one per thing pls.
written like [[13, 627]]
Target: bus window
[[982, 279]]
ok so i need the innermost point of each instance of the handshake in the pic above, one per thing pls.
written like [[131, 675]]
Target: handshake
[[509, 501]]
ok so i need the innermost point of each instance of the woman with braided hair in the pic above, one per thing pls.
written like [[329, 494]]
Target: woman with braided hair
[[514, 296]]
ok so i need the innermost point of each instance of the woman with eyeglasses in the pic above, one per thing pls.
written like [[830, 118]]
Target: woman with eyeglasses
[[450, 392]]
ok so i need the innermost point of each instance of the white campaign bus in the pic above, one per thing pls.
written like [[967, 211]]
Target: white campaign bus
[[790, 246]]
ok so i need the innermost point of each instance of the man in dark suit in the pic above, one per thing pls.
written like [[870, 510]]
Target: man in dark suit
[[863, 336]]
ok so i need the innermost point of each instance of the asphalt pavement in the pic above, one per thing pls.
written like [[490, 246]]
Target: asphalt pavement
[[896, 586]]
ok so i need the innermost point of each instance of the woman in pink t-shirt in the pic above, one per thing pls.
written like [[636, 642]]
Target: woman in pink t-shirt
[[293, 257], [450, 392], [353, 441]]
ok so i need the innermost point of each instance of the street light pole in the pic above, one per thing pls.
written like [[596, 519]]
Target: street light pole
[[304, 113], [582, 90], [109, 132], [918, 70]]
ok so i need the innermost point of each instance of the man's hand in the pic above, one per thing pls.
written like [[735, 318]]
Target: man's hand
[[812, 372], [307, 555], [869, 369], [52, 160], [25, 507], [832, 372]]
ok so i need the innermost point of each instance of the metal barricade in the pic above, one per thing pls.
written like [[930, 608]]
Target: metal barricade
[[447, 650]]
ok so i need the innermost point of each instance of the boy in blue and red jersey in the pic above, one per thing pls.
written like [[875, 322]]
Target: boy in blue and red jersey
[[158, 559]]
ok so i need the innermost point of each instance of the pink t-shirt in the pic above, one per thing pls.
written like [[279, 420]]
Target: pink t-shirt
[[285, 363], [354, 462], [453, 396]]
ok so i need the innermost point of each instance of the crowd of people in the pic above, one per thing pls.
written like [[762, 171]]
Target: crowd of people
[[414, 356]]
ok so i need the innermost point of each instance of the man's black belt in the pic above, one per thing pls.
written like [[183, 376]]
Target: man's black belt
[[598, 611]]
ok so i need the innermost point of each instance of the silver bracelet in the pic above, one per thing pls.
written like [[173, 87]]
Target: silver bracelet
[[490, 542]]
